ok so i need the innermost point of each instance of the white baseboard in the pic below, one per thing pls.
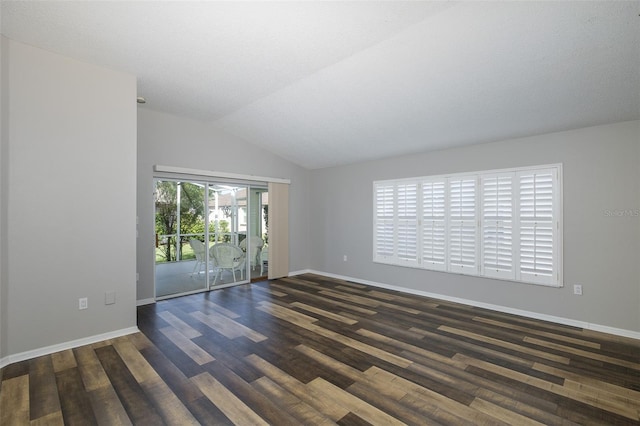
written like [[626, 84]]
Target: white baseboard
[[303, 271], [142, 302], [534, 315], [66, 345]]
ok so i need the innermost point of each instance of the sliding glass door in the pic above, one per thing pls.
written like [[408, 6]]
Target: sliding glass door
[[208, 235]]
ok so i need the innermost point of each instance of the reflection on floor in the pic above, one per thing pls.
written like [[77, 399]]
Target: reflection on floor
[[176, 277]]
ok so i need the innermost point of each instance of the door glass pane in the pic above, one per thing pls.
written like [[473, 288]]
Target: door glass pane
[[256, 246], [180, 222], [166, 215], [228, 228]]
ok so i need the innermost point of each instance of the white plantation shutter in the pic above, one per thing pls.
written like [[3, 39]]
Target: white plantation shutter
[[407, 222], [396, 222], [504, 224], [463, 225], [384, 229], [497, 225], [434, 225], [537, 194]]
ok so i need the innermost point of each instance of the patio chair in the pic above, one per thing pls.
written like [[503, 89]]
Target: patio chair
[[229, 257], [199, 251], [264, 258], [255, 245]]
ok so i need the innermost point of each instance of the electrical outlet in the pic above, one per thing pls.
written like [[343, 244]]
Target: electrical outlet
[[110, 298], [344, 258], [577, 289], [83, 303]]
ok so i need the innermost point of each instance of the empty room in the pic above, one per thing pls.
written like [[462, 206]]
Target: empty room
[[320, 212]]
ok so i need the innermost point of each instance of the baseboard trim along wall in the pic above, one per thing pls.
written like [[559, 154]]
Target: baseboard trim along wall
[[534, 315], [143, 302], [66, 345]]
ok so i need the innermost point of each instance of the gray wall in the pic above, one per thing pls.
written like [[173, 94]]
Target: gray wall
[[174, 141], [69, 193], [601, 172]]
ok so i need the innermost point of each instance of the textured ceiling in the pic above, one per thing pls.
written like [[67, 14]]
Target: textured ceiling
[[329, 83]]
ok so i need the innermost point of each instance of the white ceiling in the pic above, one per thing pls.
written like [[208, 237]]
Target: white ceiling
[[330, 83]]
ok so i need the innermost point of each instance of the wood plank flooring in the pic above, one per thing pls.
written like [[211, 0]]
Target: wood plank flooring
[[313, 350]]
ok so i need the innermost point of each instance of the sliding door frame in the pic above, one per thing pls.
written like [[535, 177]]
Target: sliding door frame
[[248, 181]]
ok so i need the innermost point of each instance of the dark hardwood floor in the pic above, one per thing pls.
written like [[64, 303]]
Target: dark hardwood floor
[[313, 350]]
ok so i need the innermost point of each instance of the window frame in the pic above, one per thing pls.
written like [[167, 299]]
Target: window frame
[[505, 236]]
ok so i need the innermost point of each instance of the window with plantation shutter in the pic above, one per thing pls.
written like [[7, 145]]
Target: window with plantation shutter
[[407, 222], [434, 225], [537, 226], [503, 224], [497, 225], [462, 225], [384, 232]]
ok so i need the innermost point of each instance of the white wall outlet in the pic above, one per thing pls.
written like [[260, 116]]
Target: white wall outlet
[[110, 298], [344, 258], [577, 289], [83, 303]]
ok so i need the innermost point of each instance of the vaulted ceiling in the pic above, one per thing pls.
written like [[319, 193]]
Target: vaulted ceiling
[[330, 83]]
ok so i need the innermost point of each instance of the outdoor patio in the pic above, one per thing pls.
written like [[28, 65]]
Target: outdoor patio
[[173, 278]]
